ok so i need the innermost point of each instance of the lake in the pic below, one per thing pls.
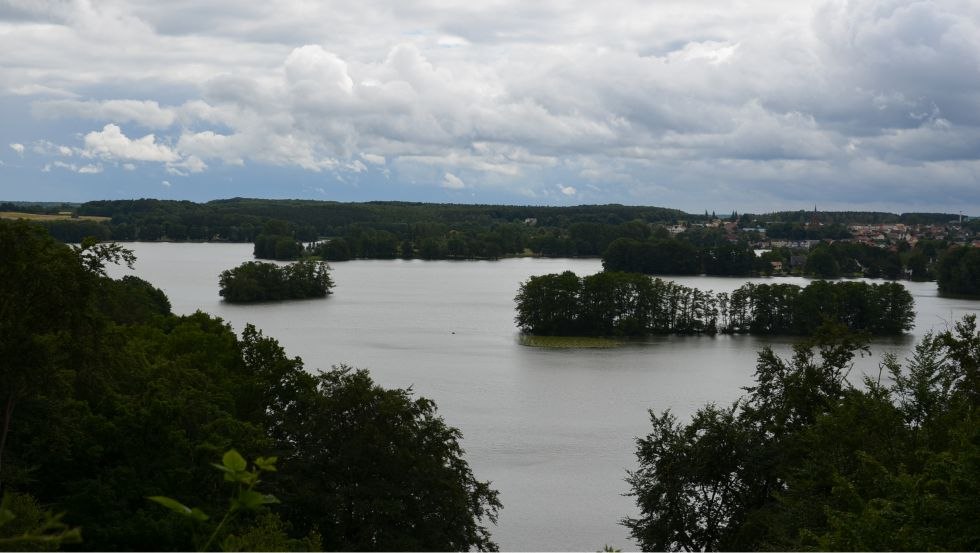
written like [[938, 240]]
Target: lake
[[553, 429]]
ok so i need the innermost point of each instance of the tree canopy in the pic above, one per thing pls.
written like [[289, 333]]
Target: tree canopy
[[256, 281], [631, 304], [807, 461], [117, 400]]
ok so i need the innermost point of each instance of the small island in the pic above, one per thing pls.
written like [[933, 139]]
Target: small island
[[632, 304], [255, 281]]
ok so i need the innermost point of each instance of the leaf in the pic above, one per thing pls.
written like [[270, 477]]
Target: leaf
[[267, 464], [233, 461], [198, 515], [178, 507], [251, 500]]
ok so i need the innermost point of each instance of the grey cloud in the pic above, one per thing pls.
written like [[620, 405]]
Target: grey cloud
[[777, 98], [146, 113]]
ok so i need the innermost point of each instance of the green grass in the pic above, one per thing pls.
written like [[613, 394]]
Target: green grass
[[568, 342], [49, 217]]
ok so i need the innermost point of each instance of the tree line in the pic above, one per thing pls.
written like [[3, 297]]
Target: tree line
[[632, 304], [108, 398], [958, 272], [254, 281]]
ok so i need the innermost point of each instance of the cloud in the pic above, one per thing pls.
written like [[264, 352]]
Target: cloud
[[166, 183], [649, 102], [452, 182], [19, 148], [145, 113], [87, 169], [111, 143], [373, 159], [567, 190]]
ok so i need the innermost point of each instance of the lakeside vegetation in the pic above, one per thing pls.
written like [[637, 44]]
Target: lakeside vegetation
[[632, 304], [108, 399], [254, 281], [806, 461], [336, 231], [958, 273]]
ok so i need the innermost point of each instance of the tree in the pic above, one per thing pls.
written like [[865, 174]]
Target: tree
[[822, 264], [805, 460], [44, 301], [370, 468], [115, 405], [958, 272], [256, 281]]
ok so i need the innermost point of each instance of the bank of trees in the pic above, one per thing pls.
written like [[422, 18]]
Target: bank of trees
[[108, 398], [631, 304], [670, 256], [958, 272], [807, 461], [257, 281]]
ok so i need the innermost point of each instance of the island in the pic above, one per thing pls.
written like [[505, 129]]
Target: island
[[255, 281]]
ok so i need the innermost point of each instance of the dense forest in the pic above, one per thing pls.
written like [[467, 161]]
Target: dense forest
[[108, 399], [255, 281], [669, 256], [336, 231], [632, 304], [958, 273], [805, 461]]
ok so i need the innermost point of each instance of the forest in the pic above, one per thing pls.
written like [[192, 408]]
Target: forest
[[256, 281], [337, 231], [958, 273], [109, 399], [631, 304]]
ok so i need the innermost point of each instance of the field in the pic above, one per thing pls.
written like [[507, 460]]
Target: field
[[47, 217]]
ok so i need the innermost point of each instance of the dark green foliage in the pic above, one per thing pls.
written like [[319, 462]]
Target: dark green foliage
[[376, 469], [797, 231], [335, 249], [958, 272], [277, 246], [245, 497], [697, 253], [256, 281], [654, 257], [631, 304], [854, 259], [821, 264], [116, 405], [131, 300], [806, 461]]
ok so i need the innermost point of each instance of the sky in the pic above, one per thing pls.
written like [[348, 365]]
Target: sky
[[710, 105]]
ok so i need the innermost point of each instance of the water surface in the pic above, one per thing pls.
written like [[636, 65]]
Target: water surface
[[554, 429]]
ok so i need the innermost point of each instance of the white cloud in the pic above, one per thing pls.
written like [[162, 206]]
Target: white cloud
[[111, 143], [17, 147], [87, 169], [129, 166], [452, 182], [373, 159], [567, 190], [166, 183]]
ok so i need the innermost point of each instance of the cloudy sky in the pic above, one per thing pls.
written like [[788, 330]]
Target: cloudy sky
[[747, 105]]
